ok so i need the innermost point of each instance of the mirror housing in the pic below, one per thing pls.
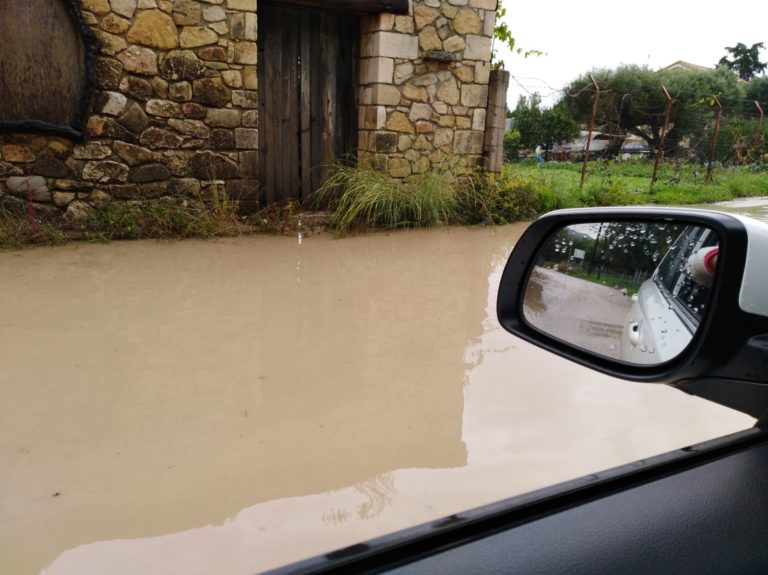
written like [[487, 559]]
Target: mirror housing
[[727, 359]]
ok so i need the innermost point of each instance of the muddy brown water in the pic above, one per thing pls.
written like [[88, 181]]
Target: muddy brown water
[[233, 405]]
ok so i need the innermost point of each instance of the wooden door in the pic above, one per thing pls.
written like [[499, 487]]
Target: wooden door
[[308, 79]]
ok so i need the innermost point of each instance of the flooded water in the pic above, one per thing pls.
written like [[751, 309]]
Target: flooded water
[[229, 406]]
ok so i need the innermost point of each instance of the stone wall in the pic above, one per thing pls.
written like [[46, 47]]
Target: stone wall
[[174, 111], [425, 85], [175, 106]]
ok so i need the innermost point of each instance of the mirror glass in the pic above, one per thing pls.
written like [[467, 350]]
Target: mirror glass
[[632, 291]]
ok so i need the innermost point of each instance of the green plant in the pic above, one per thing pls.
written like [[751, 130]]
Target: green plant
[[369, 198], [18, 230]]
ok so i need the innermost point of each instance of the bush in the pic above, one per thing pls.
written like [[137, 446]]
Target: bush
[[486, 199]]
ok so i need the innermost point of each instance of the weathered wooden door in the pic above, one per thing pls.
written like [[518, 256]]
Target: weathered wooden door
[[43, 66], [308, 78]]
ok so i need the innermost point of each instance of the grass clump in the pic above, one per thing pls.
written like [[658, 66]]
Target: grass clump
[[165, 218], [366, 198], [484, 198], [18, 230]]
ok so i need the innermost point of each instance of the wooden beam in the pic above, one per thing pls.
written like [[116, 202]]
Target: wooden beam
[[351, 6]]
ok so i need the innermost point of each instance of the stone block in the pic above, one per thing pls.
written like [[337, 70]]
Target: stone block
[[180, 92], [474, 96], [134, 118], [105, 172], [133, 155], [392, 45], [415, 93], [467, 21], [157, 138], [477, 48], [478, 119], [448, 92], [484, 4], [125, 8], [187, 13], [482, 72], [251, 118], [384, 142], [246, 138], [155, 29], [181, 65], [149, 173], [403, 72], [223, 117], [139, 60], [163, 108], [398, 167], [468, 142], [398, 122], [424, 16], [443, 137], [429, 40], [385, 95], [244, 27], [113, 24], [377, 70], [246, 52], [196, 36], [372, 117], [211, 92], [192, 128], [245, 98], [92, 151], [244, 5], [454, 44], [250, 78], [17, 154], [420, 112], [222, 139], [108, 73], [209, 166], [113, 103]]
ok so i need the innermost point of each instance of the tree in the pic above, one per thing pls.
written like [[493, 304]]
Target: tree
[[633, 102], [744, 61], [539, 127]]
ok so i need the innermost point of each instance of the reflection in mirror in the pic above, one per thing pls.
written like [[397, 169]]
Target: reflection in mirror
[[632, 291]]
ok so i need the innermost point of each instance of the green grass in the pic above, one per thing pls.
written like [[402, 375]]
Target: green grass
[[366, 198], [611, 183]]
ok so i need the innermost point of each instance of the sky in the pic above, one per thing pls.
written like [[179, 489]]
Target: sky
[[580, 36]]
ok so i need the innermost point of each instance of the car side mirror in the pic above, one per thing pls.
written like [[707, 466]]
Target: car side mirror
[[650, 294]]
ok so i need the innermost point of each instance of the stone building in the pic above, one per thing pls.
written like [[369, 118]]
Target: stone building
[[140, 99]]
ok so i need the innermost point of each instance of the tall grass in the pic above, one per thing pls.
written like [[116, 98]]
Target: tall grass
[[361, 196]]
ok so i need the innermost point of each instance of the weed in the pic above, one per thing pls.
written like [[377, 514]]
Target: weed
[[362, 196]]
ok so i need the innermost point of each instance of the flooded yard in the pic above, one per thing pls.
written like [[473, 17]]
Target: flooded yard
[[233, 405]]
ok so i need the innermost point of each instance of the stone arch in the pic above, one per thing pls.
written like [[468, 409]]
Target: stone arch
[[46, 67]]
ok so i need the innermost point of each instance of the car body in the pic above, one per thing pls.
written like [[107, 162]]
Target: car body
[[669, 306]]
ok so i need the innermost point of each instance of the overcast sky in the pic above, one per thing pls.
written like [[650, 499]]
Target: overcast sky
[[579, 36]]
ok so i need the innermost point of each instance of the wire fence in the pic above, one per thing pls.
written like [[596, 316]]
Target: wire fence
[[704, 128]]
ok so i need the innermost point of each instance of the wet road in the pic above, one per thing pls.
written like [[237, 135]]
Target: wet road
[[229, 406], [578, 311]]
